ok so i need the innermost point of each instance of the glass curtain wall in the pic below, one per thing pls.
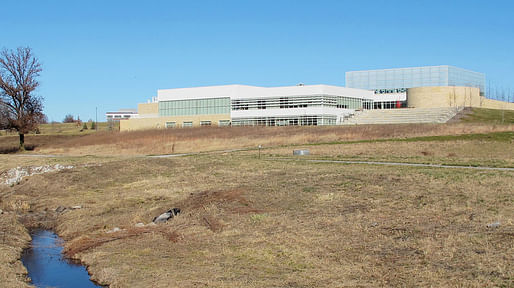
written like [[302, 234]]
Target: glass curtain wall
[[415, 77], [462, 77], [398, 78], [194, 107]]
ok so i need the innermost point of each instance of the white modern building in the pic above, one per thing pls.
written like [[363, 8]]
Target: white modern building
[[431, 87], [250, 105], [122, 114]]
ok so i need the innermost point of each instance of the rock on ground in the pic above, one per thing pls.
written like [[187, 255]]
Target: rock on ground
[[14, 175]]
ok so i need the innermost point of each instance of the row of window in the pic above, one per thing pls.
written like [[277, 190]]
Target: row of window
[[223, 105], [185, 124], [119, 116], [389, 104], [265, 121], [298, 102], [286, 121], [194, 107]]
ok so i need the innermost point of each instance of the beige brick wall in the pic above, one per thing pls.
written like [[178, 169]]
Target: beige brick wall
[[495, 104], [160, 122], [148, 108], [443, 96], [436, 97]]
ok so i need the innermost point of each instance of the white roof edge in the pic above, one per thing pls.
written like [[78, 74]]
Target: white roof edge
[[237, 91], [210, 86]]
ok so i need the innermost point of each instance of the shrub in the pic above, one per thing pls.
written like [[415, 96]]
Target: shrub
[[68, 119]]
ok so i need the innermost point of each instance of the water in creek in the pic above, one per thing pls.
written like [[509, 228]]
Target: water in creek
[[47, 267]]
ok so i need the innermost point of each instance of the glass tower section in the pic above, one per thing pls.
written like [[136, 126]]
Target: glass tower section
[[415, 77]]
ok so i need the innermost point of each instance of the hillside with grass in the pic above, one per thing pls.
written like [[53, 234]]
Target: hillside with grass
[[491, 116], [264, 218]]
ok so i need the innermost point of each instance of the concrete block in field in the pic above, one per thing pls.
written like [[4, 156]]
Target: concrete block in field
[[301, 152]]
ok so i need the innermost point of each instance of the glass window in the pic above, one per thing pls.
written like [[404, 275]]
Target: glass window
[[224, 123], [170, 124], [194, 107]]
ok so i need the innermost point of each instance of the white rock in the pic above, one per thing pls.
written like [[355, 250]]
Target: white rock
[[493, 225], [76, 207], [115, 229], [140, 224], [14, 176]]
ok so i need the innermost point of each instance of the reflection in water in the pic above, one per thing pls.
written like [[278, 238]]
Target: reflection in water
[[47, 267]]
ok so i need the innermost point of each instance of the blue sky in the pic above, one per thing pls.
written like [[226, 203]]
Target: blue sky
[[115, 54]]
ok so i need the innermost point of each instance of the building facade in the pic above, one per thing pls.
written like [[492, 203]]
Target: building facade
[[403, 78], [242, 105], [122, 114], [391, 85]]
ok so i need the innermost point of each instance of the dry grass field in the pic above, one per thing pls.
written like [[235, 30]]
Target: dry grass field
[[477, 150], [263, 222], [203, 139]]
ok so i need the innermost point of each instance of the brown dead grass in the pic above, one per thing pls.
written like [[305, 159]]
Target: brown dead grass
[[231, 201], [84, 243], [219, 198], [457, 152], [10, 144], [247, 222], [221, 138], [13, 238]]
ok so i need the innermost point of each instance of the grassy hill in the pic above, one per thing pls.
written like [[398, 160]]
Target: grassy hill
[[492, 116], [74, 129], [274, 220], [67, 129], [266, 218]]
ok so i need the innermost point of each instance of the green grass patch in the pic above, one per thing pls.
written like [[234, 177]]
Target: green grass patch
[[492, 116], [493, 136]]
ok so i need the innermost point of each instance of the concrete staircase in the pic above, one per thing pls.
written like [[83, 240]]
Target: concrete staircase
[[403, 115]]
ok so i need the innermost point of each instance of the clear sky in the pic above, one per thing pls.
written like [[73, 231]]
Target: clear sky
[[114, 54]]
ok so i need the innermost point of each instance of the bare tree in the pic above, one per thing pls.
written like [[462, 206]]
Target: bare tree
[[18, 72], [4, 124]]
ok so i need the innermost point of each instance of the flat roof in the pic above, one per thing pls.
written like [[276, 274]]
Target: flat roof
[[246, 92], [122, 112]]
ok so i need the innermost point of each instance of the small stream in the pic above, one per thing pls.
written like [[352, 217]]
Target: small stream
[[47, 267]]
